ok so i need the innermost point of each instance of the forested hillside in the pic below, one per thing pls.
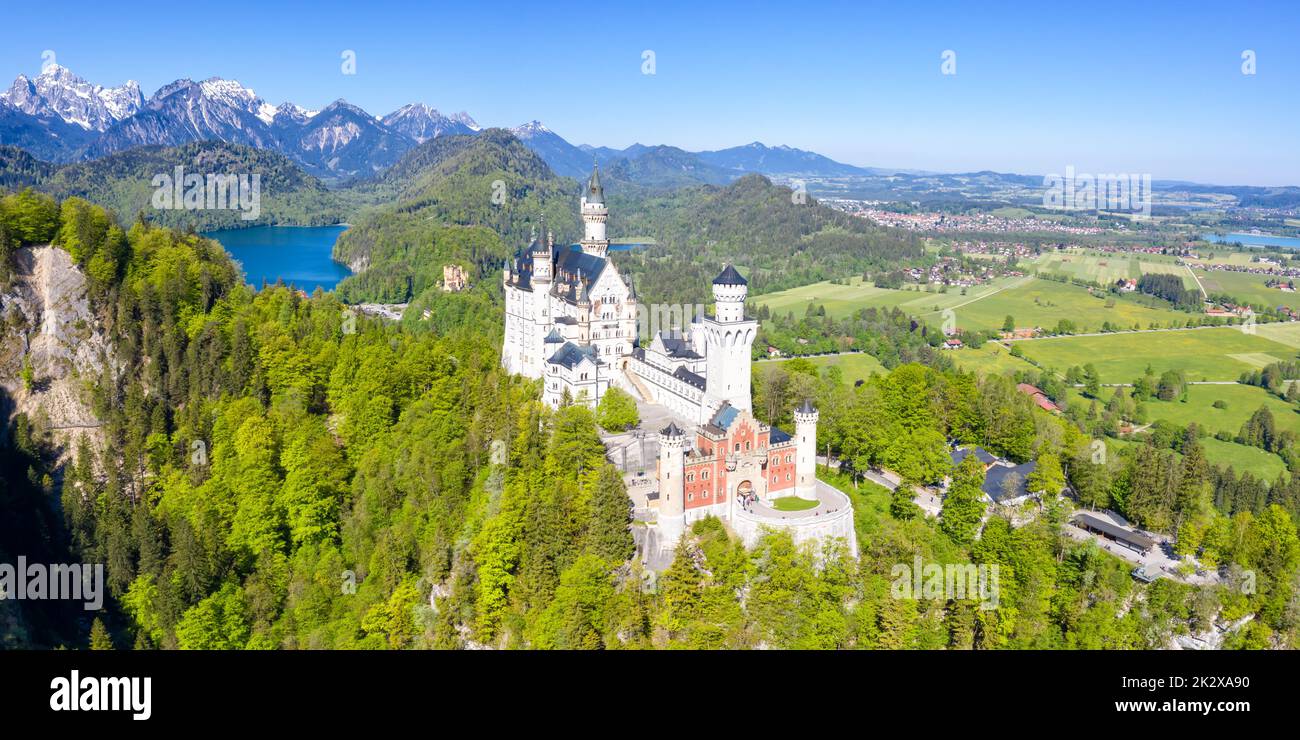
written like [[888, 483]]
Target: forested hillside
[[775, 241], [124, 183], [278, 472], [472, 200]]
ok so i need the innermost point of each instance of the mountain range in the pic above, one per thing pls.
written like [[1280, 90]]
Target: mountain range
[[60, 117]]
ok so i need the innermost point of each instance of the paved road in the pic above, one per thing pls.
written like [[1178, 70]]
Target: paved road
[[1190, 382], [1127, 331], [1198, 280], [783, 358]]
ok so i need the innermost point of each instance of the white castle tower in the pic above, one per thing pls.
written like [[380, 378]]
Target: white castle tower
[[672, 499], [805, 468], [543, 261], [594, 216], [728, 337]]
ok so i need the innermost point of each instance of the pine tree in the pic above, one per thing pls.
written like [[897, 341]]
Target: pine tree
[[680, 590], [608, 533], [99, 637]]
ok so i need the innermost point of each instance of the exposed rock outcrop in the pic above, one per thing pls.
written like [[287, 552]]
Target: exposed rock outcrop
[[48, 322]]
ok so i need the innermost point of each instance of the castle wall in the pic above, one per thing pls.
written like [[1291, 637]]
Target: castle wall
[[749, 525]]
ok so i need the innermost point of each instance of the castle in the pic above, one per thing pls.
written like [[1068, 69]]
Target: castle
[[572, 320]]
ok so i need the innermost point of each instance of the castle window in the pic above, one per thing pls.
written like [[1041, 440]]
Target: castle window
[[787, 458], [787, 476], [690, 497]]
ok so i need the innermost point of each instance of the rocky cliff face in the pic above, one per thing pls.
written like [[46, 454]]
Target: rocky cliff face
[[48, 324]]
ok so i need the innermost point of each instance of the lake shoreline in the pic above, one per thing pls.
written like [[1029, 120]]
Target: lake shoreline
[[300, 256]]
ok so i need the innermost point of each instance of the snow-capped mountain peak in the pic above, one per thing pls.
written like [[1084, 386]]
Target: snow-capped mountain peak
[[57, 92], [530, 129], [236, 95], [464, 119], [422, 122], [291, 112]]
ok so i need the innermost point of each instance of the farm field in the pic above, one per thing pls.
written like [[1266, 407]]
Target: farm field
[[1203, 354], [1213, 257], [1031, 301], [1044, 303], [1241, 458], [853, 367], [1247, 287], [1241, 401], [1107, 267], [992, 358], [843, 300], [1283, 332]]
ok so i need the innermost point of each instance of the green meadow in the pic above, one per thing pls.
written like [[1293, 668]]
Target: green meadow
[[1030, 301], [991, 359], [1240, 401], [1107, 268], [1247, 287], [1241, 458], [1202, 354], [1244, 459]]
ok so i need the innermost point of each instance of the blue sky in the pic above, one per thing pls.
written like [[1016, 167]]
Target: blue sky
[[1134, 87]]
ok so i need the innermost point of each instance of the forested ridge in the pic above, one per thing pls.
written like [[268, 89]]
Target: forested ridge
[[470, 200], [123, 183], [777, 238], [279, 472]]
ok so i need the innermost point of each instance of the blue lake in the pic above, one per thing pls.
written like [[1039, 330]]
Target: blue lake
[[1255, 240], [299, 255]]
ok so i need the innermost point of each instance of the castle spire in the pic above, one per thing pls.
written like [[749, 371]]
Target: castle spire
[[594, 215], [595, 193]]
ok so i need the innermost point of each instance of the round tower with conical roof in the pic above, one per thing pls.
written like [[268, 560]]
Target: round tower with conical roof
[[805, 465], [594, 216], [672, 475]]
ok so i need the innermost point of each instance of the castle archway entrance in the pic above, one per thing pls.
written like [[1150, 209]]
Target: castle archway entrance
[[745, 493]]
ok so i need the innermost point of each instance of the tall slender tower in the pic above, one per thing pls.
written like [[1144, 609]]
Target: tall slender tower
[[542, 323], [805, 462], [672, 473], [594, 216], [728, 337]]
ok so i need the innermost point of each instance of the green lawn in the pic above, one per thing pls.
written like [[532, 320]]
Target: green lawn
[[792, 503], [1203, 354], [853, 367]]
